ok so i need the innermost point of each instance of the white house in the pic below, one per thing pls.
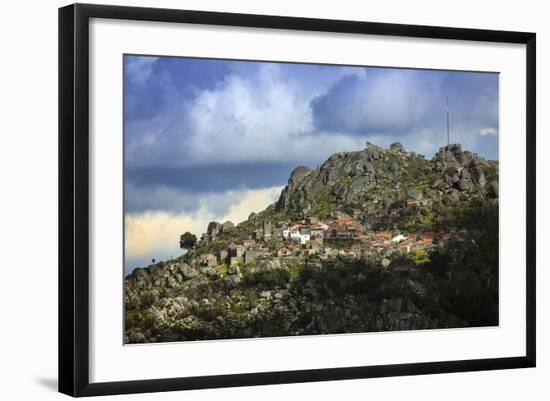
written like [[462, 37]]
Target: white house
[[304, 238], [290, 233], [296, 235], [318, 230], [399, 238]]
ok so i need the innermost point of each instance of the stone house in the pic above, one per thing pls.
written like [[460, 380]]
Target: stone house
[[235, 250], [291, 233], [311, 220], [258, 234], [344, 228], [251, 255], [208, 259], [318, 230], [405, 246], [337, 231], [383, 235], [267, 229]]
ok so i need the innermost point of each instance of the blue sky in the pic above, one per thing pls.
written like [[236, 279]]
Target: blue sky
[[212, 139]]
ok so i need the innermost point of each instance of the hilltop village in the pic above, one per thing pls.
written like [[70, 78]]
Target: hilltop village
[[368, 204], [344, 236], [370, 240]]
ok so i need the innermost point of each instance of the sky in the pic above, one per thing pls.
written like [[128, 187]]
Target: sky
[[217, 139]]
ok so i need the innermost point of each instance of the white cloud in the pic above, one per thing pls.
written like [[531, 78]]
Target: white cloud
[[489, 131], [396, 101], [251, 201], [151, 234], [139, 69], [303, 114], [176, 200], [262, 117], [155, 234]]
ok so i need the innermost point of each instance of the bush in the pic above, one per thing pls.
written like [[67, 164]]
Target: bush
[[268, 278]]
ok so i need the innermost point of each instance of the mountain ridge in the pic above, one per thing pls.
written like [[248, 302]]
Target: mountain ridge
[[352, 178]]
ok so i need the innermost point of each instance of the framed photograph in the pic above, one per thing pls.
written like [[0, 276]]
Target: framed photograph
[[252, 199]]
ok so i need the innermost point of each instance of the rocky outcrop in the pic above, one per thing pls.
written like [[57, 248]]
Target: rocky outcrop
[[414, 194], [227, 226], [298, 173], [187, 273], [217, 291], [397, 146], [363, 179], [214, 228]]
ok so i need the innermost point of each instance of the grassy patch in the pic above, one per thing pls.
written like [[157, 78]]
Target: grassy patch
[[421, 257]]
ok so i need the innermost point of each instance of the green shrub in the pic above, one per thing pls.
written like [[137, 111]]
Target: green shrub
[[268, 278]]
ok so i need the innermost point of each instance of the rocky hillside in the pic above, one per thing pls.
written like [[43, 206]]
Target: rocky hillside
[[376, 178], [373, 240]]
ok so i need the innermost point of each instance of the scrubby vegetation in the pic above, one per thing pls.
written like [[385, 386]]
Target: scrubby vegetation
[[450, 201]]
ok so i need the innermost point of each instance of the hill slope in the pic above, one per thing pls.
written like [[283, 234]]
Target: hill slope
[[377, 177], [378, 239]]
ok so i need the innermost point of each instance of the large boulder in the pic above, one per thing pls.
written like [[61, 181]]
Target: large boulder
[[397, 146], [213, 228], [233, 269], [140, 274], [479, 175], [187, 272], [339, 190], [463, 185], [136, 337], [464, 173], [158, 272], [437, 183], [414, 194], [297, 173], [360, 183], [365, 167], [228, 225], [449, 156], [211, 273], [197, 282], [375, 155], [492, 189], [452, 197], [169, 336]]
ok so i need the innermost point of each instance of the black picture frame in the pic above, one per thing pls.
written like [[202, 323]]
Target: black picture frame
[[74, 198]]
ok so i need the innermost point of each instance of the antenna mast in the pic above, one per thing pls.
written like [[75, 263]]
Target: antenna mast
[[447, 105]]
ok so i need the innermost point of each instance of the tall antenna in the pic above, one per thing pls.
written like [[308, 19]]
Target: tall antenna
[[447, 105]]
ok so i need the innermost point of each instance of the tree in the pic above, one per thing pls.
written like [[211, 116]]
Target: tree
[[187, 240]]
